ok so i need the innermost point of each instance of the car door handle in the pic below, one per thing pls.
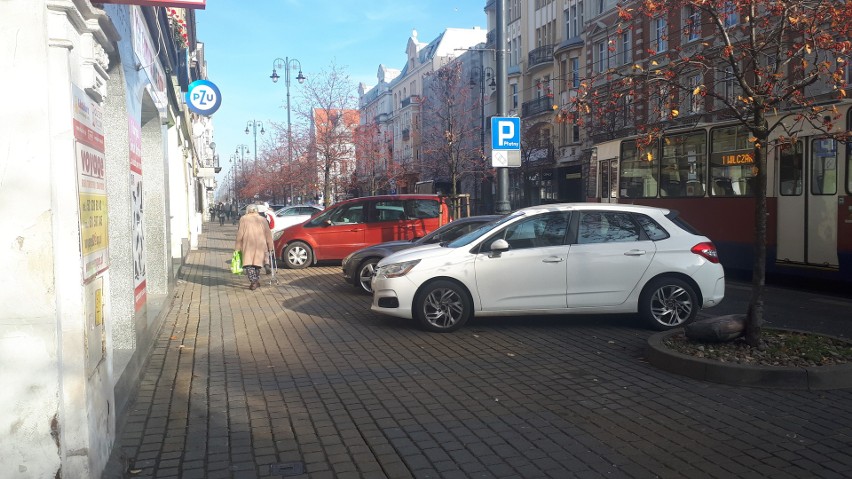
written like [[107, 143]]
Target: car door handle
[[635, 252], [355, 230], [553, 259]]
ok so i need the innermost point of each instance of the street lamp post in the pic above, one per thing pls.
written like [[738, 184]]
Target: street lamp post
[[482, 73], [253, 124], [502, 206], [240, 153], [287, 64], [234, 172]]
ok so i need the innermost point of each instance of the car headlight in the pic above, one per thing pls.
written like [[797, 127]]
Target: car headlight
[[396, 270], [277, 235]]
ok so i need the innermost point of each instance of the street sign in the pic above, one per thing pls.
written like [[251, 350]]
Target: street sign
[[505, 158], [203, 97], [505, 133]]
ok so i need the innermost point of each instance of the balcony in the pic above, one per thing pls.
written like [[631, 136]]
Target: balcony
[[490, 38], [541, 55], [537, 106], [412, 100]]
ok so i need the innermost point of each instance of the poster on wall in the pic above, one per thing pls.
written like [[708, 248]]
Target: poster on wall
[[91, 185], [138, 232], [95, 334]]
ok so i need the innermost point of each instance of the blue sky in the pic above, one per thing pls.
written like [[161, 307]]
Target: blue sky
[[243, 38]]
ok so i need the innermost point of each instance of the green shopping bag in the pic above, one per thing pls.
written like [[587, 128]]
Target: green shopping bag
[[237, 263]]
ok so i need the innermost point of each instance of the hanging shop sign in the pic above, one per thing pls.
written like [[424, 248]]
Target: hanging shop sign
[[203, 97]]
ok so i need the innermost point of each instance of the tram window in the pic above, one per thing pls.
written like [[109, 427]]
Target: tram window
[[790, 170], [638, 176], [824, 167], [849, 168], [683, 165], [732, 169]]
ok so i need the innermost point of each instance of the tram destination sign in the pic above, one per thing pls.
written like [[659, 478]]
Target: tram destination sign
[[733, 158]]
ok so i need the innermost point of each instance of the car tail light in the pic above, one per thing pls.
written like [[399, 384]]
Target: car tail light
[[707, 251]]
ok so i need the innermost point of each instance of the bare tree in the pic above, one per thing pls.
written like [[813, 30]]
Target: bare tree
[[449, 114], [330, 105], [376, 170]]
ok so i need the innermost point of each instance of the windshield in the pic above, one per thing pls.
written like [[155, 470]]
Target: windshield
[[481, 231], [319, 220]]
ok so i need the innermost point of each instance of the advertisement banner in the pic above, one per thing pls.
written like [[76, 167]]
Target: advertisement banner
[[138, 233], [91, 186]]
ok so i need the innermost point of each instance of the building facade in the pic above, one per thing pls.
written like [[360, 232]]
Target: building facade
[[103, 191], [393, 107]]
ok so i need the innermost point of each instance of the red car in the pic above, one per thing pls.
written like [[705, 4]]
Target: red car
[[353, 224]]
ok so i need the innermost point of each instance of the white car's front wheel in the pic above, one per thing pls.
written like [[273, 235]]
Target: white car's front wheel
[[667, 303], [442, 306]]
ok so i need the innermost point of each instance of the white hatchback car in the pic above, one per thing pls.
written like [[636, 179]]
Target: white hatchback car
[[293, 215], [573, 258]]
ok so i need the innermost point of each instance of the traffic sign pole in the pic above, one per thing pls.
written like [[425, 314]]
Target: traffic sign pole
[[502, 205]]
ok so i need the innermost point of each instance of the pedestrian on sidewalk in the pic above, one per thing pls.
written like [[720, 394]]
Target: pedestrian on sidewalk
[[222, 213], [254, 240]]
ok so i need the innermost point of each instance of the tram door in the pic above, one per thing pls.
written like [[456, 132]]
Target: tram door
[[608, 181], [807, 203]]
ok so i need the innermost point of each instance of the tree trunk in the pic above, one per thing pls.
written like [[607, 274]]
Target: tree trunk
[[754, 318]]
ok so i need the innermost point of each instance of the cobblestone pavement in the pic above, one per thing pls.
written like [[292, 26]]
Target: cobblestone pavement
[[301, 379]]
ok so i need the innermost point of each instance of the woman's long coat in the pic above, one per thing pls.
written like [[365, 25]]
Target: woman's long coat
[[254, 239]]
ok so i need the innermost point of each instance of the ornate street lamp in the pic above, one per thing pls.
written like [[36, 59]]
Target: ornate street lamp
[[287, 64], [240, 154], [253, 124]]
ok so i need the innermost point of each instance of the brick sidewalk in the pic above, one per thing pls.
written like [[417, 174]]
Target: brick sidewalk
[[302, 376]]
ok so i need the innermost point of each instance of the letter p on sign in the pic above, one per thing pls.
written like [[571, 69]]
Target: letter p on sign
[[505, 133]]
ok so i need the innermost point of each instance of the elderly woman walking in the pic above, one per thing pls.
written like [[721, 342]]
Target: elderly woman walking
[[254, 240]]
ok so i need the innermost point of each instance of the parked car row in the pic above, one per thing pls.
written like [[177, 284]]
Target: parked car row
[[577, 258]]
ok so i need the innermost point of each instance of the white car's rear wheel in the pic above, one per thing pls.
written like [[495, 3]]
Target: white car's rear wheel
[[668, 303]]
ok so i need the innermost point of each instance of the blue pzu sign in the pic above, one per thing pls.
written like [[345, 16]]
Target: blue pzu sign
[[505, 133], [203, 97]]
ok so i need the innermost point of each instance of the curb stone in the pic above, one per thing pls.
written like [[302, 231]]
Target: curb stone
[[818, 378]]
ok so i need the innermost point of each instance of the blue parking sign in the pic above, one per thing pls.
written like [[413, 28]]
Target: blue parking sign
[[505, 133]]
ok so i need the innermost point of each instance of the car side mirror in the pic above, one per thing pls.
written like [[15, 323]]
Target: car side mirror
[[498, 247]]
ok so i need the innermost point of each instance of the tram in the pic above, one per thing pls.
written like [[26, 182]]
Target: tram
[[708, 175]]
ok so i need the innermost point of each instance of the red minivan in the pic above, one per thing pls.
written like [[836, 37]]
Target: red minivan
[[353, 224]]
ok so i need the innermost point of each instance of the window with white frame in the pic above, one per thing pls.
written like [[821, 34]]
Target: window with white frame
[[691, 23], [730, 16], [572, 22], [575, 72], [661, 32], [601, 52], [729, 85], [625, 56], [658, 104], [514, 96], [694, 99]]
